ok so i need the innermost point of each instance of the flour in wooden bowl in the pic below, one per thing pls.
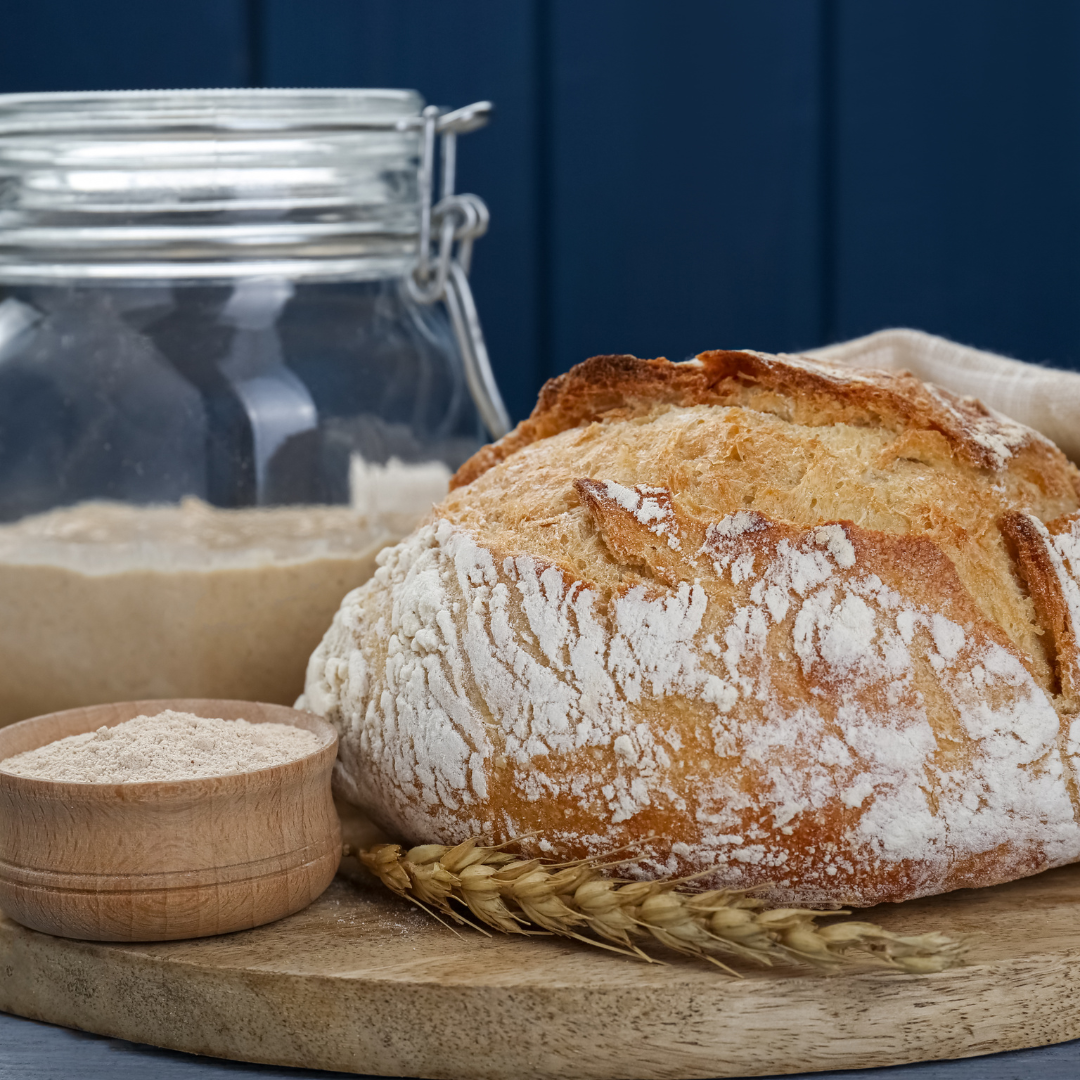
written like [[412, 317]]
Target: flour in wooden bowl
[[168, 746]]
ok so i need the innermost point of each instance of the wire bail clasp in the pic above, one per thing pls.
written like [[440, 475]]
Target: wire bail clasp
[[442, 273]]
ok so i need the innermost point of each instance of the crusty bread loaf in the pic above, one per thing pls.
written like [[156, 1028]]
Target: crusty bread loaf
[[809, 628]]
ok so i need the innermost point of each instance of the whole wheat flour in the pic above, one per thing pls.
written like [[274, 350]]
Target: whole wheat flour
[[108, 602], [168, 746]]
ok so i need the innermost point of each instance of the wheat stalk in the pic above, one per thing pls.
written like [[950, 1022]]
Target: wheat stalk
[[578, 900]]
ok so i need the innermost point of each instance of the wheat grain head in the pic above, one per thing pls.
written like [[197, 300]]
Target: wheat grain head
[[578, 900]]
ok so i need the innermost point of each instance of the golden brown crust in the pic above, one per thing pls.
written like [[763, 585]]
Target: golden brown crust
[[632, 543], [827, 735], [804, 623], [807, 392], [912, 565], [1050, 577]]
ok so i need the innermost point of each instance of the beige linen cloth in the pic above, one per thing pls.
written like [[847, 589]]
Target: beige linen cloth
[[1043, 398]]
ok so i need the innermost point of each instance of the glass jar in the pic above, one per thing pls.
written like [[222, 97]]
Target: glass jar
[[238, 355]]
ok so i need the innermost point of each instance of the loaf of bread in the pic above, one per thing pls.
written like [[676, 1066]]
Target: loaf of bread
[[807, 628]]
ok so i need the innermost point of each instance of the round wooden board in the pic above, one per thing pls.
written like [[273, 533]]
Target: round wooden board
[[363, 982]]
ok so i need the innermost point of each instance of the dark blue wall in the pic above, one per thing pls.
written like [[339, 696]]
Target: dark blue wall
[[669, 177]]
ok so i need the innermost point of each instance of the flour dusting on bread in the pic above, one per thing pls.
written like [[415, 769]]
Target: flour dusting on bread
[[789, 643]]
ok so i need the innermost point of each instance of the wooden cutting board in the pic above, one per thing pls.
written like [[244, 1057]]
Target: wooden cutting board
[[363, 982]]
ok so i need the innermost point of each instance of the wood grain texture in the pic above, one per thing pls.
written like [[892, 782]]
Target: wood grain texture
[[684, 178], [33, 1051], [362, 982], [469, 50], [172, 859], [954, 193], [124, 45]]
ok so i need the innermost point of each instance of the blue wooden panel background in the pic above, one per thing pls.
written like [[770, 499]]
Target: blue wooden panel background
[[957, 174], [684, 177], [453, 53], [670, 177]]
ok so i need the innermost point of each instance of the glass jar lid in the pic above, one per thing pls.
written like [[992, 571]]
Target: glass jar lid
[[209, 184]]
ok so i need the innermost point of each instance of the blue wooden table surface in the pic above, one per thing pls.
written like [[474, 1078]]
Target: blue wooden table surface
[[32, 1051]]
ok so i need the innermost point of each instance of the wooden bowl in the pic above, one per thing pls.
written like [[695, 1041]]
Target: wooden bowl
[[159, 860]]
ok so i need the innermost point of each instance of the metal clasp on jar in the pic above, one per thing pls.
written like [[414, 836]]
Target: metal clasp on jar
[[442, 271]]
